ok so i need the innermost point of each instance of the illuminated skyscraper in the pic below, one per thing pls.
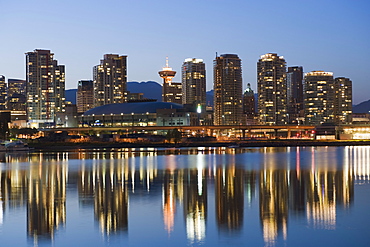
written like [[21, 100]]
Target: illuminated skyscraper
[[194, 82], [110, 80], [272, 89], [319, 97], [295, 93], [45, 86], [171, 91], [85, 95], [3, 92], [228, 90], [343, 100]]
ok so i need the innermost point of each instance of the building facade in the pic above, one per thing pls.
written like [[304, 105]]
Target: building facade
[[17, 95], [319, 97], [139, 114], [249, 105], [45, 87], [194, 82], [85, 95], [171, 91], [110, 80], [3, 92], [343, 100], [228, 90], [16, 86], [295, 94], [272, 89]]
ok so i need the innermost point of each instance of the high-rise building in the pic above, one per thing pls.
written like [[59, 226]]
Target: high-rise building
[[295, 94], [16, 86], [3, 92], [45, 86], [249, 107], [228, 90], [194, 82], [17, 95], [85, 95], [343, 100], [319, 97], [272, 89], [110, 80], [59, 80], [171, 91]]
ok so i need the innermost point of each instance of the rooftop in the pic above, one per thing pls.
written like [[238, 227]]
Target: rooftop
[[128, 108]]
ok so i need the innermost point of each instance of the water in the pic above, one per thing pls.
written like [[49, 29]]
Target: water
[[305, 196]]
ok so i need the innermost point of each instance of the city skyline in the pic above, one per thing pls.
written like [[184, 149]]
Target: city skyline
[[326, 35]]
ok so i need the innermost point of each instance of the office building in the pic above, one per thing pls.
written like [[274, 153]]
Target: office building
[[228, 90], [110, 80], [85, 95], [343, 100], [272, 89], [171, 91], [45, 87], [194, 82], [3, 92], [319, 97], [295, 94]]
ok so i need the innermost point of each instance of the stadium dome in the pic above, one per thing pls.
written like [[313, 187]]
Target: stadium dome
[[128, 108]]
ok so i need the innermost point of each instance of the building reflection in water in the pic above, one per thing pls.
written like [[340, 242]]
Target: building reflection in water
[[229, 192], [169, 200], [195, 204], [46, 199], [104, 184], [273, 203], [312, 183]]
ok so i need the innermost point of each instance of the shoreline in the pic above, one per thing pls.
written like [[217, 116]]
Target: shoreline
[[63, 146]]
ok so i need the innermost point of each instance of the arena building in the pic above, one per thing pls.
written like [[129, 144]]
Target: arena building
[[140, 114]]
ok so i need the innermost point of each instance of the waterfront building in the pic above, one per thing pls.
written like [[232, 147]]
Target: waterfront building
[[343, 100], [139, 114], [272, 89], [249, 107], [194, 82], [45, 87], [319, 97], [110, 80], [171, 91], [228, 90], [85, 95], [3, 92], [295, 94]]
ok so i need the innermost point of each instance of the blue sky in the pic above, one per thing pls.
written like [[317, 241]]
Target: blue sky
[[318, 35]]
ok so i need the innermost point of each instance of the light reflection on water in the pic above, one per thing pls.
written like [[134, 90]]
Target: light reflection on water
[[195, 196]]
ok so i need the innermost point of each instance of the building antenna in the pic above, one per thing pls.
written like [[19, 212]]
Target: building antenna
[[216, 53], [167, 61]]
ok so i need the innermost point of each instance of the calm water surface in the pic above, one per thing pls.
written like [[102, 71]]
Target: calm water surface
[[307, 196]]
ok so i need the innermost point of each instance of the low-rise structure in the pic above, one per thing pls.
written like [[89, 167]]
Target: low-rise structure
[[139, 114]]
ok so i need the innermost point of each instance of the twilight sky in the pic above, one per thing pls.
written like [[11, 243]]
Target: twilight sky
[[329, 35]]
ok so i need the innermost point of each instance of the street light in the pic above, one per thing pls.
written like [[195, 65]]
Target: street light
[[199, 111]]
